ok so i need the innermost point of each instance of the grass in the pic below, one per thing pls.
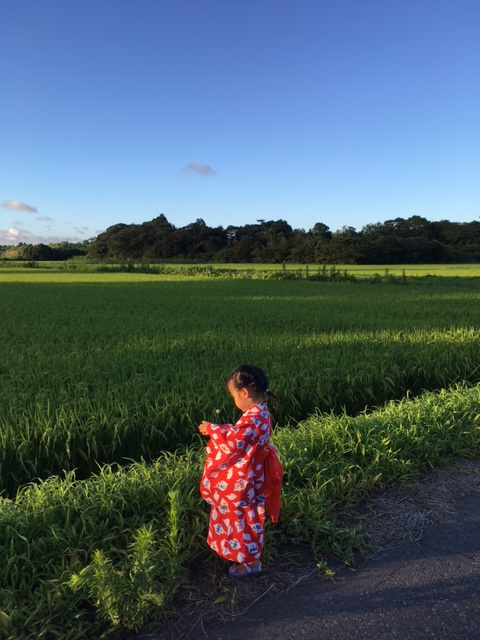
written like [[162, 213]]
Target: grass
[[66, 542], [104, 368], [410, 270], [105, 377]]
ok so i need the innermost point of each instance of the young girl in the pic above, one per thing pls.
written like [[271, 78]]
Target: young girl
[[233, 480]]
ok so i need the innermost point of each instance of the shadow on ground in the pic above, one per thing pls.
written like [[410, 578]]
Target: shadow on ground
[[421, 581]]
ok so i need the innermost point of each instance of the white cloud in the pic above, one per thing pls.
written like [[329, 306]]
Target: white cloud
[[201, 169], [10, 236], [14, 205], [15, 236]]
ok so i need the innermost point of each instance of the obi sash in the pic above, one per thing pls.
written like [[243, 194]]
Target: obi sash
[[273, 479]]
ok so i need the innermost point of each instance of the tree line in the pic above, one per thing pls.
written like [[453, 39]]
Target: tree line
[[45, 252], [400, 241]]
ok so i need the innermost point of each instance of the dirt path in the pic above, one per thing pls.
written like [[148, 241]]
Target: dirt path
[[422, 579]]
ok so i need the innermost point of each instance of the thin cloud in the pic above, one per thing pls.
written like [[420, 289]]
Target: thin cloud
[[44, 219], [14, 205], [202, 169], [80, 229], [11, 236], [16, 235]]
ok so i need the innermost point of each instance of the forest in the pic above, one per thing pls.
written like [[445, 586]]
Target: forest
[[413, 240]]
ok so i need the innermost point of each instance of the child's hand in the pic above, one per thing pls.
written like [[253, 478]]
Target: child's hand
[[203, 428]]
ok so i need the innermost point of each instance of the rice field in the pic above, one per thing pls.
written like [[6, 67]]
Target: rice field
[[105, 376], [87, 560], [410, 270], [110, 367], [361, 271]]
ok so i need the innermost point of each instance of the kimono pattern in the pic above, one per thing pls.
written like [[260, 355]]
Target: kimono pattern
[[233, 484]]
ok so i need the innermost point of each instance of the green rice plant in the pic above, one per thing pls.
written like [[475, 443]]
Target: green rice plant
[[103, 368], [125, 537], [334, 462], [219, 269]]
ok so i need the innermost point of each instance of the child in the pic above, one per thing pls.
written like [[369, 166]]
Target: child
[[233, 480]]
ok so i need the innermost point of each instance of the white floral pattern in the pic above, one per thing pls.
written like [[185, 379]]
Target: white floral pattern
[[233, 484]]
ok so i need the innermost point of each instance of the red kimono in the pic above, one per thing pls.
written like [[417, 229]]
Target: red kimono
[[233, 484]]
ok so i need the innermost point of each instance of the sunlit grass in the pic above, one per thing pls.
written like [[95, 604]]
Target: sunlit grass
[[98, 368], [420, 270], [51, 271], [124, 538], [85, 277], [106, 368]]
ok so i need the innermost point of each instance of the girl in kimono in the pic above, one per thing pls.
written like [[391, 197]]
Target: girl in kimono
[[233, 480]]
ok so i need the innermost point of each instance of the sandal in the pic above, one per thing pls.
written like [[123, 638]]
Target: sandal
[[249, 571]]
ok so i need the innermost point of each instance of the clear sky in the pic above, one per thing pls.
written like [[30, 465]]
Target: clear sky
[[346, 112]]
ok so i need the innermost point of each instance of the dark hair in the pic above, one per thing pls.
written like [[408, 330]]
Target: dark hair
[[250, 377]]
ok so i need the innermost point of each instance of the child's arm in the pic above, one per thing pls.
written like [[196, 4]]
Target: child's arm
[[205, 427]]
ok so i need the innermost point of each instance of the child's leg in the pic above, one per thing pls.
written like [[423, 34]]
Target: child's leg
[[248, 560]]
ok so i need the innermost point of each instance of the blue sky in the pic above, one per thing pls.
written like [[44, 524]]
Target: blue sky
[[346, 112]]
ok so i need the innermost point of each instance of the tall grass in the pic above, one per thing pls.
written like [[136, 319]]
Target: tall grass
[[354, 271], [103, 368], [79, 559]]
